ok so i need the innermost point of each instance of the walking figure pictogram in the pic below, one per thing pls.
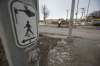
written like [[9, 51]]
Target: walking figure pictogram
[[28, 26]]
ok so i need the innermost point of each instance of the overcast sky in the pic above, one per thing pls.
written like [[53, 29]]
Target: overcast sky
[[58, 8]]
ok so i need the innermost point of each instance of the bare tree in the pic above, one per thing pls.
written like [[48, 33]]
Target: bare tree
[[45, 12]]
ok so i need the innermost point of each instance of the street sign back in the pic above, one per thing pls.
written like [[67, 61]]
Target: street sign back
[[24, 23]]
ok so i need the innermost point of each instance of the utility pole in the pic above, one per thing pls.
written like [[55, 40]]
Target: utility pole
[[77, 10], [87, 9], [71, 19], [67, 15]]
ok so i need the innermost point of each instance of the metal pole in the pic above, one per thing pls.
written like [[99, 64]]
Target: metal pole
[[67, 15], [77, 9], [88, 9], [71, 18]]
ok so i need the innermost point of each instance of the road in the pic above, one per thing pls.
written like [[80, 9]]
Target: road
[[86, 45], [92, 34]]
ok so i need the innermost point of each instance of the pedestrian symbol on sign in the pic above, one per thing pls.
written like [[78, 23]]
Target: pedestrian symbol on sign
[[28, 26]]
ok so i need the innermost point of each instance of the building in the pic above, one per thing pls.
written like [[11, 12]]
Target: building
[[96, 21]]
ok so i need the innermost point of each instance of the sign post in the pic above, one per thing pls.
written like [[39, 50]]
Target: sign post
[[19, 29]]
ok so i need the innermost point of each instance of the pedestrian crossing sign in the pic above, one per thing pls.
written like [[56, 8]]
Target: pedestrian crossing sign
[[24, 22]]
